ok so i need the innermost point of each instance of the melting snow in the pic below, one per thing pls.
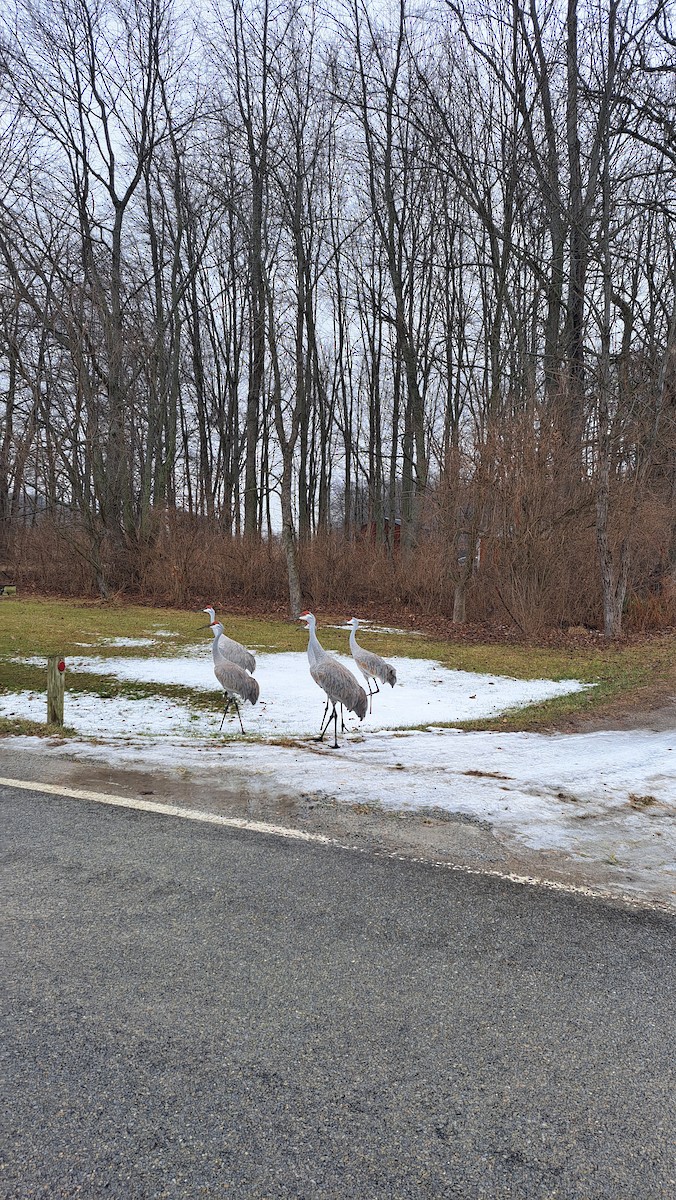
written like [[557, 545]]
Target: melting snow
[[126, 641], [291, 704], [367, 627], [571, 793]]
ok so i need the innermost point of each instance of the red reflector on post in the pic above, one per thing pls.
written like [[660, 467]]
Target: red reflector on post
[[61, 665]]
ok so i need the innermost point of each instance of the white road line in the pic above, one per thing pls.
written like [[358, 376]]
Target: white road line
[[166, 810], [301, 835]]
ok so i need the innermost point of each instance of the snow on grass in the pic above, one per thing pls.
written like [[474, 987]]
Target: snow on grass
[[367, 627], [291, 703], [116, 642], [115, 718]]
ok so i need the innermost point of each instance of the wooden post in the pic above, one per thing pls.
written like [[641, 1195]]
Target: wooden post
[[56, 674]]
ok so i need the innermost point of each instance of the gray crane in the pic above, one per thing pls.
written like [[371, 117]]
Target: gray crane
[[371, 665], [338, 684], [230, 649], [233, 679]]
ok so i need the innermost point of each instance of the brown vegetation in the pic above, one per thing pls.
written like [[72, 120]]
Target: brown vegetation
[[531, 584]]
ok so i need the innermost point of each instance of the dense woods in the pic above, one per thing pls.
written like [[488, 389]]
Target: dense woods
[[373, 304]]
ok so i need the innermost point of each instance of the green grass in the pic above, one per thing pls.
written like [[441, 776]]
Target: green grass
[[620, 675], [46, 626], [19, 727], [38, 627]]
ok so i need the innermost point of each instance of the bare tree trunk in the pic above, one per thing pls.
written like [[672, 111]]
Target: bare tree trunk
[[257, 351], [289, 535], [614, 575], [287, 443], [6, 452], [574, 400]]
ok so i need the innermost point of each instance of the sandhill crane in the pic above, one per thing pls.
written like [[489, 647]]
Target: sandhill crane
[[338, 684], [230, 649], [371, 665], [233, 679]]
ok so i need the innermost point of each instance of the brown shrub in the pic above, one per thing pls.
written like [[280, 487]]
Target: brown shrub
[[53, 558], [537, 569]]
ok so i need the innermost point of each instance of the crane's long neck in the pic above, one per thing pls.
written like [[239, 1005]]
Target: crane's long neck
[[353, 640], [315, 650], [215, 651]]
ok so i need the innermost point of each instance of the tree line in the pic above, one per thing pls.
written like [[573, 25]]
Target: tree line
[[405, 275]]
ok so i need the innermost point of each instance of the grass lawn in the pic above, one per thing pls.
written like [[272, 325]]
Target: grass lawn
[[629, 674]]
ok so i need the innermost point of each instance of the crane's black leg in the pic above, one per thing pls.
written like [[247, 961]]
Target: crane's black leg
[[325, 724], [333, 716], [239, 715], [343, 726], [225, 712]]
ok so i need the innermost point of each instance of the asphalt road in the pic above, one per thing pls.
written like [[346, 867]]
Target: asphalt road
[[191, 1011]]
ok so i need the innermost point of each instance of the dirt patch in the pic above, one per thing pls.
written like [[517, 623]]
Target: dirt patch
[[646, 708]]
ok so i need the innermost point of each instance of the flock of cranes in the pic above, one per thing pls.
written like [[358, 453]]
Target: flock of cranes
[[234, 666]]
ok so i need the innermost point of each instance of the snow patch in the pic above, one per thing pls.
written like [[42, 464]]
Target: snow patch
[[119, 642], [291, 704]]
